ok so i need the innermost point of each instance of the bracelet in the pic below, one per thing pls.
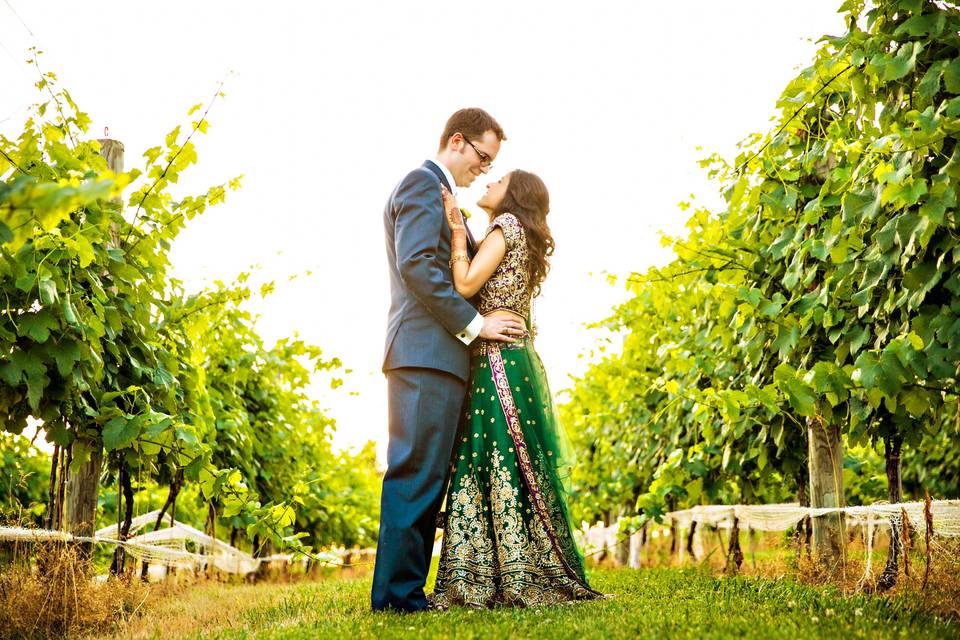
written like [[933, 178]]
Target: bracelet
[[459, 257]]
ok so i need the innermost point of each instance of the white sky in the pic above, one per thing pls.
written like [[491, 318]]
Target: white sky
[[329, 104]]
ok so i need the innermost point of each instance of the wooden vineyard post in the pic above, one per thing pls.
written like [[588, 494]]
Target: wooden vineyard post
[[621, 549], [112, 151], [734, 553], [826, 491], [690, 536], [892, 448], [83, 485], [637, 540], [644, 532], [83, 488]]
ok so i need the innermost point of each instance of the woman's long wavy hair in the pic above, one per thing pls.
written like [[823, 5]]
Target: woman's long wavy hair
[[528, 199]]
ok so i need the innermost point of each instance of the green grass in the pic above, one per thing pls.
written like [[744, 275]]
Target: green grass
[[648, 603]]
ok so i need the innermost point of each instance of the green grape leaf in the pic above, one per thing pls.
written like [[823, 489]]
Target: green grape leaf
[[120, 432]]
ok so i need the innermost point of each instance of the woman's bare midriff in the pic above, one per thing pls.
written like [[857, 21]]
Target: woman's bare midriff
[[504, 313]]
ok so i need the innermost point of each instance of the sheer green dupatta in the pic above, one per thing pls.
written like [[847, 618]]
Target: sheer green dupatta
[[545, 455]]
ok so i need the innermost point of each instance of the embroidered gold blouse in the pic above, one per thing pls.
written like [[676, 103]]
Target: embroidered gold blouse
[[508, 288]]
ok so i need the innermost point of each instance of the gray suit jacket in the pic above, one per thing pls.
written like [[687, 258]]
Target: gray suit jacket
[[426, 312]]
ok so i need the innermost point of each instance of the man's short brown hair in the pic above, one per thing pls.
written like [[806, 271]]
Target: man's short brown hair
[[472, 123]]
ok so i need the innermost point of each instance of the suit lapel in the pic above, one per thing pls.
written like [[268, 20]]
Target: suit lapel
[[429, 164]]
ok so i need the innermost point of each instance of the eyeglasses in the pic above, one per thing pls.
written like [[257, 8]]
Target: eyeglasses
[[485, 160]]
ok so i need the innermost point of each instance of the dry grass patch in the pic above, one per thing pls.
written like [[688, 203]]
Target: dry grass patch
[[207, 606], [54, 596], [774, 556], [211, 606]]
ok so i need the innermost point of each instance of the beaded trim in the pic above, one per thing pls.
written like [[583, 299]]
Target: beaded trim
[[483, 347]]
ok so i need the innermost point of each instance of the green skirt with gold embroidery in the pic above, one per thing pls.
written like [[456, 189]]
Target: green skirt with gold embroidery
[[508, 536]]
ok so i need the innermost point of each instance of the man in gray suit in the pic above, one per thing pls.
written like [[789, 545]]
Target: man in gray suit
[[427, 359]]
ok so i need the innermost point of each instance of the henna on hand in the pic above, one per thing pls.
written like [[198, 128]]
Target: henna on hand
[[455, 220]]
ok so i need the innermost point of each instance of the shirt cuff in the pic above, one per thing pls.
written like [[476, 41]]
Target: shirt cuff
[[470, 334]]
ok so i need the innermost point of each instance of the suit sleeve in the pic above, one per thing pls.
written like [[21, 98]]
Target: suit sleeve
[[419, 223]]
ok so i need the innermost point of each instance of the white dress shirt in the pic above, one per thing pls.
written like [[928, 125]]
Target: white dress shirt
[[472, 330]]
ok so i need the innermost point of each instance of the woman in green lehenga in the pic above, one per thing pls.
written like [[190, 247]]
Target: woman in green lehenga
[[508, 535]]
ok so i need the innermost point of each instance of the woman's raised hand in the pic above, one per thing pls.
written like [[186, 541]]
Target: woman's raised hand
[[452, 211]]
